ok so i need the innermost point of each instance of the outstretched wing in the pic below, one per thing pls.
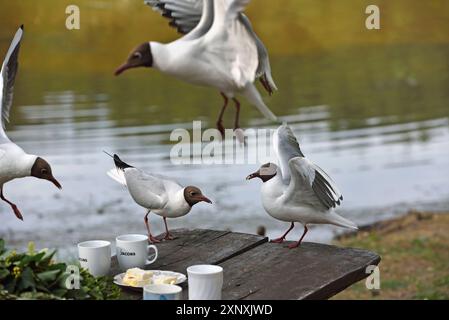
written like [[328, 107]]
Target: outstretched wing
[[184, 15], [310, 184], [7, 79], [264, 68], [286, 147]]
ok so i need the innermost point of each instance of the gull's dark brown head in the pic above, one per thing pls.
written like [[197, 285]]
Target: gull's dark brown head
[[139, 57], [41, 169], [193, 195], [265, 172]]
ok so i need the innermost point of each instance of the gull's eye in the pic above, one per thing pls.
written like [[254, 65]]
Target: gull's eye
[[137, 55], [44, 171]]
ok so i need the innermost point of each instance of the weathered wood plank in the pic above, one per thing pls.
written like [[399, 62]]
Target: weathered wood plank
[[197, 247], [256, 269], [312, 271]]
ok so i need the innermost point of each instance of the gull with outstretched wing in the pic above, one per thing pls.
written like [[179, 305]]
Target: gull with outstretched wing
[[14, 161], [297, 190]]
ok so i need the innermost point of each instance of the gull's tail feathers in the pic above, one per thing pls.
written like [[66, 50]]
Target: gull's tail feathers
[[338, 220], [253, 96], [117, 175]]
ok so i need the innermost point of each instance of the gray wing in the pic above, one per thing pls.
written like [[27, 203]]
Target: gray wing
[[286, 147], [146, 189], [184, 15], [8, 76], [310, 184]]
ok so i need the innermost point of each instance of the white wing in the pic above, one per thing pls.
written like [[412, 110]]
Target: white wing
[[286, 147], [235, 7], [7, 78], [310, 184], [230, 46], [264, 67]]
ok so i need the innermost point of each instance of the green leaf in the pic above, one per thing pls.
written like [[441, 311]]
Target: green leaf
[[48, 255], [26, 280], [4, 273], [2, 246], [27, 259], [49, 276], [60, 292]]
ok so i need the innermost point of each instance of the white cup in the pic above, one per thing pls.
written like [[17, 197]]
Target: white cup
[[205, 282], [162, 292], [95, 256], [132, 251]]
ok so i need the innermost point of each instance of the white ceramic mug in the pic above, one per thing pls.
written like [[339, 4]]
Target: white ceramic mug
[[132, 251], [95, 256], [162, 292], [205, 282]]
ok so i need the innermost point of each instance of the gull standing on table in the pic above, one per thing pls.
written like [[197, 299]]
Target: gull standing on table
[[298, 190], [156, 193], [220, 49], [14, 162]]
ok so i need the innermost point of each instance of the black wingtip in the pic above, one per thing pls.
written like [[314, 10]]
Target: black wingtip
[[22, 27], [120, 164]]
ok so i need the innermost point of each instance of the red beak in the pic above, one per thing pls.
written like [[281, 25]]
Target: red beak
[[253, 175], [203, 198], [55, 182], [122, 68]]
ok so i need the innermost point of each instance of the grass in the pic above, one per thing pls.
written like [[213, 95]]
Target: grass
[[415, 258]]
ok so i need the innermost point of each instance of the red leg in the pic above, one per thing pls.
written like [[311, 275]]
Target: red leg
[[168, 236], [238, 132], [150, 236], [13, 206], [237, 114], [220, 117], [297, 244], [282, 238]]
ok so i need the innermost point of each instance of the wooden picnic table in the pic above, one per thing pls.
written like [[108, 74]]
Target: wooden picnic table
[[257, 269]]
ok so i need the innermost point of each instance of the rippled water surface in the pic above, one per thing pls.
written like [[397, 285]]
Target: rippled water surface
[[374, 115]]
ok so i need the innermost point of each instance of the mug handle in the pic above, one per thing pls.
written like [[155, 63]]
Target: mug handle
[[155, 255]]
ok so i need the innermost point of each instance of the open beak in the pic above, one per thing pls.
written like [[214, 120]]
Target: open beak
[[253, 175], [203, 198], [122, 68], [55, 182]]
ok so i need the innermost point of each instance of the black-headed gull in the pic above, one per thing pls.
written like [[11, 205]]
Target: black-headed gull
[[220, 49], [298, 190], [14, 162], [159, 194]]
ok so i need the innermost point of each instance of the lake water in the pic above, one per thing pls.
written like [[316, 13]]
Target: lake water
[[373, 115]]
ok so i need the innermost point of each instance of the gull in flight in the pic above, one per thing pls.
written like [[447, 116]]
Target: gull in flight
[[219, 49]]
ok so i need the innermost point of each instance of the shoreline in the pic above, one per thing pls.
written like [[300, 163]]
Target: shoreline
[[415, 257]]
